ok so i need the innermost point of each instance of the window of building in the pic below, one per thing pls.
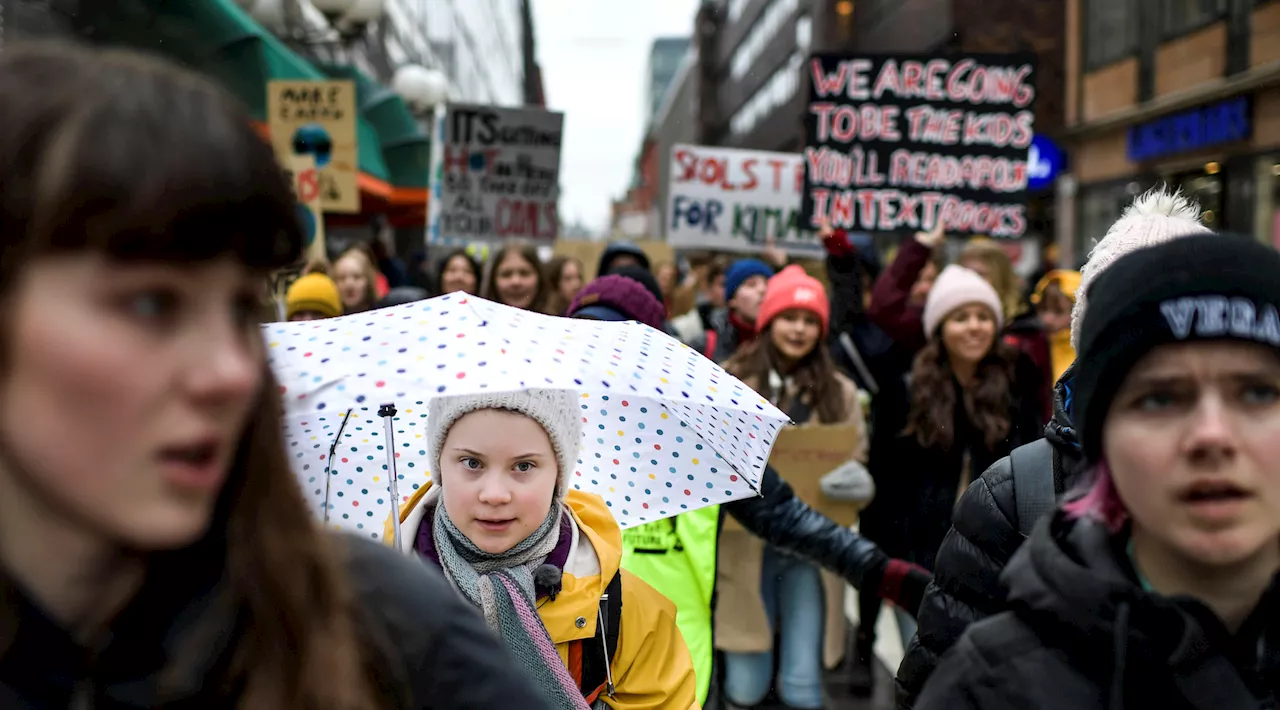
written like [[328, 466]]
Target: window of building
[[1111, 31], [766, 27], [776, 92], [804, 33], [1181, 16]]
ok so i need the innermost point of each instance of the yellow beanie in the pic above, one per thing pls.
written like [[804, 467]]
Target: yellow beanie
[[313, 292]]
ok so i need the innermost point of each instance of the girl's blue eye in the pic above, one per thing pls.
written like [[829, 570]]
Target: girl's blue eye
[[151, 305], [1261, 394], [470, 463], [524, 467]]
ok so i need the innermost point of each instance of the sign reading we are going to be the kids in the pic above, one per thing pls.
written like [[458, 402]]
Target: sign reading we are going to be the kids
[[896, 142]]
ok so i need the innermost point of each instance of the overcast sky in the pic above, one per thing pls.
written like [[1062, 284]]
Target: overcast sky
[[594, 54]]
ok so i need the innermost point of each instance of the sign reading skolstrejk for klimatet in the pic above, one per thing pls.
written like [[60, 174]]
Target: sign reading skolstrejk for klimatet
[[736, 200], [498, 175]]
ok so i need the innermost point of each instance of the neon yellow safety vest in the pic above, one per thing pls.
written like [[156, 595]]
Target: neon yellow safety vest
[[677, 556]]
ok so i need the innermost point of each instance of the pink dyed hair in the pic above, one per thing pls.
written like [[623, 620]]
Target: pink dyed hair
[[1101, 501]]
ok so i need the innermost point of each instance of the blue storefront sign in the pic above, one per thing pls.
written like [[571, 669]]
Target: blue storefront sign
[[1188, 131], [1045, 162]]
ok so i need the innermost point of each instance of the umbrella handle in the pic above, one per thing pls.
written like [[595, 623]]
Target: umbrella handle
[[388, 412]]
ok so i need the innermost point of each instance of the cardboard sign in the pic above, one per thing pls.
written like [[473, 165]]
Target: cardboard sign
[[897, 142], [305, 178], [802, 455], [496, 175], [733, 200], [318, 118]]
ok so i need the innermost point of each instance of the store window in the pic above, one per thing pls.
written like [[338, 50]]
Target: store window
[[1099, 206], [1181, 16], [1267, 216], [1111, 31], [1204, 186]]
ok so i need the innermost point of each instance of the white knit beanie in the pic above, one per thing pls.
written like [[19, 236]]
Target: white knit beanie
[[957, 286], [1155, 217], [556, 410]]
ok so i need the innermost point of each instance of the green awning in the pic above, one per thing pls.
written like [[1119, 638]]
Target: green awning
[[406, 148], [220, 39]]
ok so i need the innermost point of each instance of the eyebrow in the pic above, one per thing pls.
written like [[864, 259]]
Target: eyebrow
[[1251, 375], [477, 454]]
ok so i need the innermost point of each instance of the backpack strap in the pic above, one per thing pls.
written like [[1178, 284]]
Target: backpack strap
[[597, 653], [712, 338], [1033, 482]]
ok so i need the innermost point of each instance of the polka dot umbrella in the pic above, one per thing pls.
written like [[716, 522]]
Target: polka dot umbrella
[[665, 429]]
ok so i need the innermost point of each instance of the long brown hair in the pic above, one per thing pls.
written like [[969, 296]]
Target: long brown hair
[[529, 253], [557, 304], [114, 153], [933, 395], [814, 377]]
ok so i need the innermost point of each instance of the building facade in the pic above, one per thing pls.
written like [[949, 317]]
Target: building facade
[[665, 57], [1182, 93], [751, 58]]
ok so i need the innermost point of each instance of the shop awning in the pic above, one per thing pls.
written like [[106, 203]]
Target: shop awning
[[406, 148], [218, 38]]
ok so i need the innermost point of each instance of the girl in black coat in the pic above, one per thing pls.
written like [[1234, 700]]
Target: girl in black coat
[[972, 400], [1156, 588]]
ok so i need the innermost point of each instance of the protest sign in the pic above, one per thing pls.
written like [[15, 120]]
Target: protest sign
[[497, 175], [802, 455], [733, 200], [895, 142], [318, 118], [304, 177]]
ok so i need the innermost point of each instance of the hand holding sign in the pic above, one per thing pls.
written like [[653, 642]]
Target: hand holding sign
[[933, 237]]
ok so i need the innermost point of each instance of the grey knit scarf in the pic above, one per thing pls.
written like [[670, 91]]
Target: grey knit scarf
[[502, 586]]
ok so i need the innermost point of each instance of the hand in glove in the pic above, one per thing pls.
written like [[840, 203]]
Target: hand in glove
[[898, 581], [836, 241]]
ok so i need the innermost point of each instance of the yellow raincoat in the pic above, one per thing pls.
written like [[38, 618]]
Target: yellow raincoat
[[652, 669]]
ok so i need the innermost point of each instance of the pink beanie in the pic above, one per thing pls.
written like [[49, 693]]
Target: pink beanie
[[957, 286]]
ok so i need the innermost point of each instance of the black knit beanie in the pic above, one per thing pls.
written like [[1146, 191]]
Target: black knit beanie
[[1196, 288]]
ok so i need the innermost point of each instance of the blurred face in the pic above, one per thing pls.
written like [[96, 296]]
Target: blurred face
[[746, 300], [795, 333], [924, 282], [666, 278], [306, 315], [981, 267], [126, 392], [1193, 443], [968, 333], [516, 281], [570, 280], [457, 276], [1054, 310], [715, 292], [353, 282], [497, 489]]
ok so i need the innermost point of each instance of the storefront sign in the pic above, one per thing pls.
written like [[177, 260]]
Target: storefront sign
[[898, 142], [1045, 162], [734, 200], [318, 118], [497, 176], [1205, 127]]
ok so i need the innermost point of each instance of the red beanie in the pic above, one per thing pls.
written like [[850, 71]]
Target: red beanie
[[793, 288]]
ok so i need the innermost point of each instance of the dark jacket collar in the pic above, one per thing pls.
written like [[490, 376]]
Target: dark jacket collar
[[169, 645]]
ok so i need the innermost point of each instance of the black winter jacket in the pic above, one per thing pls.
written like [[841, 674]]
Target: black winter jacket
[[432, 647], [983, 537], [1082, 634]]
